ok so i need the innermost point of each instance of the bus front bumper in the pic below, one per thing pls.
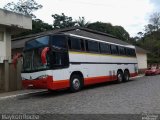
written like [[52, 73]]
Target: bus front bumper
[[45, 83]]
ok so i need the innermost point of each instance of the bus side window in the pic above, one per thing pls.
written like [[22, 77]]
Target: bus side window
[[114, 49], [69, 43], [127, 51], [82, 45], [92, 46], [86, 45], [133, 53], [121, 50], [74, 43], [105, 48], [130, 52]]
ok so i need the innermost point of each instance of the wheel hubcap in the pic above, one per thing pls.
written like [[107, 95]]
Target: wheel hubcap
[[76, 84], [127, 77], [119, 77]]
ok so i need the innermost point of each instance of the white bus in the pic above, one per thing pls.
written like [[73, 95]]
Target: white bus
[[58, 61]]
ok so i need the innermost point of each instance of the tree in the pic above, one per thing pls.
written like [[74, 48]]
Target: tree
[[121, 33], [149, 29], [82, 22], [140, 34], [40, 26], [108, 28], [23, 7], [62, 21], [102, 27], [150, 40], [155, 21], [37, 27]]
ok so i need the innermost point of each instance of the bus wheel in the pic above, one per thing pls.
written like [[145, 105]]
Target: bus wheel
[[126, 75], [75, 83], [119, 76]]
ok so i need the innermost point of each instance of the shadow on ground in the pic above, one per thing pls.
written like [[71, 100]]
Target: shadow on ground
[[48, 94]]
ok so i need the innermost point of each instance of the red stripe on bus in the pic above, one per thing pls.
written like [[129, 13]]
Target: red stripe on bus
[[50, 83], [99, 79], [46, 83], [133, 74], [41, 84], [61, 84]]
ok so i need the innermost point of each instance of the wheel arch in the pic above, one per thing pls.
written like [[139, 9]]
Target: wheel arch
[[78, 73], [127, 71], [120, 70]]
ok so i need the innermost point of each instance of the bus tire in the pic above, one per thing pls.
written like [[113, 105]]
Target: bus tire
[[75, 83], [126, 76], [119, 76]]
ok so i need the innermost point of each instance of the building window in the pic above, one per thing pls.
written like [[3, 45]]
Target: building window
[[1, 36]]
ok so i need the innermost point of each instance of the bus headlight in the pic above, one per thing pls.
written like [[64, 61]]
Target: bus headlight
[[23, 78], [43, 77]]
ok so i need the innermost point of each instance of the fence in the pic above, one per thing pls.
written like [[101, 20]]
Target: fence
[[10, 78]]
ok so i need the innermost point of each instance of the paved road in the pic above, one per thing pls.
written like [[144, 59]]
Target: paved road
[[137, 96]]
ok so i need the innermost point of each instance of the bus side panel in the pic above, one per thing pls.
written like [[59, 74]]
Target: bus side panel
[[95, 69]]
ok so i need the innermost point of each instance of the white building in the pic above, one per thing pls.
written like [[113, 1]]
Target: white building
[[11, 23], [142, 59]]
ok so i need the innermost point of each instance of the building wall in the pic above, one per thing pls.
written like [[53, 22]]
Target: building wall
[[2, 44], [142, 61], [11, 23], [8, 46], [13, 19], [16, 50]]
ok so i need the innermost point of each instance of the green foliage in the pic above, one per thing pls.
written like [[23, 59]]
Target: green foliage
[[154, 24], [102, 27], [62, 21], [121, 33], [82, 22], [23, 7], [37, 27], [108, 28], [150, 40]]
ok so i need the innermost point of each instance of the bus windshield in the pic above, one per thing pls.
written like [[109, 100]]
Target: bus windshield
[[32, 54], [56, 57], [36, 43], [32, 60]]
